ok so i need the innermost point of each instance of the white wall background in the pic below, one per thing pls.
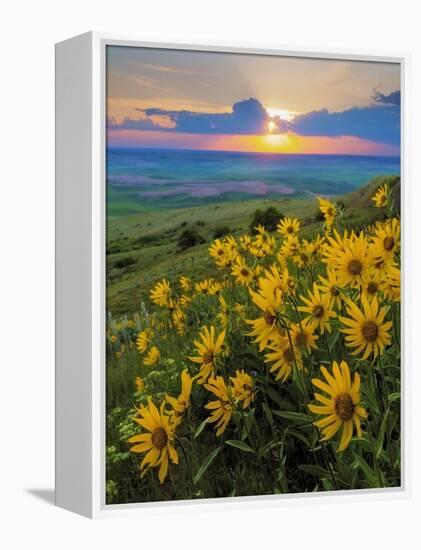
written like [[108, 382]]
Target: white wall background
[[28, 32]]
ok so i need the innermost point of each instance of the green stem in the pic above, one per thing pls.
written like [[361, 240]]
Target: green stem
[[375, 461], [386, 411]]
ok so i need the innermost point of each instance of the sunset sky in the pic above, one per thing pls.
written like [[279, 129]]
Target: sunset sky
[[236, 102]]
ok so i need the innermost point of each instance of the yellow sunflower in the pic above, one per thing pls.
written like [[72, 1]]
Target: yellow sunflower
[[329, 285], [180, 404], [328, 209], [243, 274], [185, 301], [380, 198], [341, 407], [208, 349], [263, 242], [185, 283], [242, 388], [140, 384], [158, 442], [302, 336], [288, 226], [349, 259], [240, 310], [224, 252], [217, 249], [143, 340], [386, 241], [215, 288], [391, 286], [161, 293], [283, 357], [246, 242], [204, 287], [365, 329], [223, 312], [269, 301], [152, 356], [305, 256], [179, 320], [289, 248], [371, 284], [222, 406], [278, 279], [319, 308]]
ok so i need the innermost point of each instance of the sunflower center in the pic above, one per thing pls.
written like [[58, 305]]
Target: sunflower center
[[372, 287], [344, 406], [389, 243], [288, 356], [318, 311], [208, 356], [159, 438], [334, 291], [301, 339], [268, 317], [355, 267], [244, 272], [290, 229], [370, 331], [220, 252]]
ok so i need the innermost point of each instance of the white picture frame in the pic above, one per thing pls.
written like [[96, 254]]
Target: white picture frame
[[80, 276]]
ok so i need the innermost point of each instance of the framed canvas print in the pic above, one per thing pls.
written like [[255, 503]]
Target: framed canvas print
[[229, 267]]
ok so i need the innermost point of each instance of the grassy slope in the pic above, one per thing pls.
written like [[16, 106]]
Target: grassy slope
[[142, 248]]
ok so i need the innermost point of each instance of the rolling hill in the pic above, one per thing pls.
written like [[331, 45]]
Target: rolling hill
[[142, 248]]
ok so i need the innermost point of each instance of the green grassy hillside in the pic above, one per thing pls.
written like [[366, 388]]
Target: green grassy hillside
[[144, 247]]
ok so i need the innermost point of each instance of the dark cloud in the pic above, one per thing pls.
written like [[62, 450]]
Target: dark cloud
[[394, 98], [247, 117], [378, 122], [133, 124]]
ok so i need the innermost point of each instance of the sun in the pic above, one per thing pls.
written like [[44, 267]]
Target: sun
[[271, 126], [276, 140]]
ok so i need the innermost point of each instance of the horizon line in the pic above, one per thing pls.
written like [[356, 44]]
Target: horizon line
[[272, 153]]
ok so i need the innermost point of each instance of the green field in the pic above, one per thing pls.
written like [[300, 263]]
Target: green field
[[143, 247]]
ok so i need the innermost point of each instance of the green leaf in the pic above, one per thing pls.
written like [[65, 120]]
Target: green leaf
[[249, 419], [268, 413], [205, 464], [301, 437], [274, 395], [200, 428], [380, 439], [239, 445], [314, 470], [333, 338], [367, 470], [300, 418], [394, 396], [363, 443]]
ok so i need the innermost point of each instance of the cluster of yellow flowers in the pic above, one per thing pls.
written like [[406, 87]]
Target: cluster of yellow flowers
[[295, 293]]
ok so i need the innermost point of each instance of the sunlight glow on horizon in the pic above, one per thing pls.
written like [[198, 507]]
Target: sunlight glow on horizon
[[268, 143]]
